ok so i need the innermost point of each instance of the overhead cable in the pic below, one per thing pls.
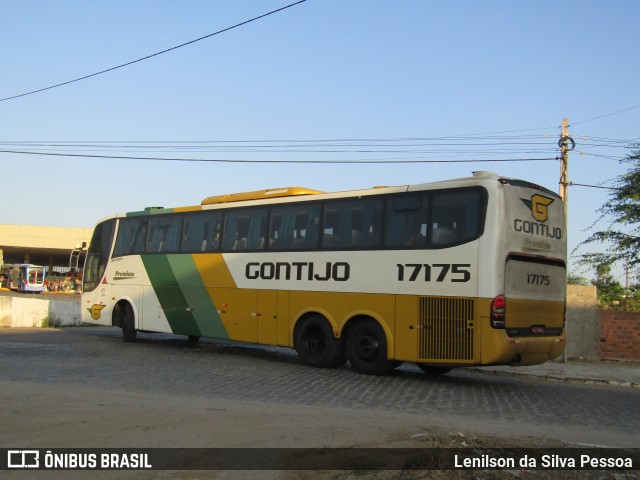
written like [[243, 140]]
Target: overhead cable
[[219, 160], [572, 184], [573, 124], [154, 54]]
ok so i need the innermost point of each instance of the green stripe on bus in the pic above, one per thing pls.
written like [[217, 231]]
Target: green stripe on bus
[[182, 295], [171, 299], [197, 297]]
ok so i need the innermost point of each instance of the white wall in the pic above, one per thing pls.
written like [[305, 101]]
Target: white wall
[[31, 311]]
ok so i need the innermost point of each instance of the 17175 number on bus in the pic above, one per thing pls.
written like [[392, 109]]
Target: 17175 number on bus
[[438, 272], [534, 279]]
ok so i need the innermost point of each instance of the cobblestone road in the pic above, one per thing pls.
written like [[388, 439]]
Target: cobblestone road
[[169, 365]]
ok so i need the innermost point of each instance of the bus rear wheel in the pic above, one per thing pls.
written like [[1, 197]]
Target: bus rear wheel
[[316, 344], [367, 348]]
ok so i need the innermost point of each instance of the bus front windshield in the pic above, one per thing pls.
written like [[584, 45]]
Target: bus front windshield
[[98, 255]]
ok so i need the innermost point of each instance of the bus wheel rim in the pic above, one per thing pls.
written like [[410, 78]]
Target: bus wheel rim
[[314, 342], [367, 348]]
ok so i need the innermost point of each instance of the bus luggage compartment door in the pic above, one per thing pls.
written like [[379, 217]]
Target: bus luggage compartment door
[[535, 294]]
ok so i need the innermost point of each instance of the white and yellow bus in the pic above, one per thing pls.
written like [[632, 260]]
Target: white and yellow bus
[[463, 272]]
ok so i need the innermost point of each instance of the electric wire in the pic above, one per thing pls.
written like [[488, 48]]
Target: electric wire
[[572, 184], [154, 54], [573, 124], [221, 160], [444, 147], [469, 148]]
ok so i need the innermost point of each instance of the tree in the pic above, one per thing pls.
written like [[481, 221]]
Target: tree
[[576, 279], [609, 289], [622, 238]]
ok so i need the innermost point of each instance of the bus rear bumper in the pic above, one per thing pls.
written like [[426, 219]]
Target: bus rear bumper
[[524, 351]]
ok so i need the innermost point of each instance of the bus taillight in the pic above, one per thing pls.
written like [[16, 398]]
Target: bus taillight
[[498, 306]]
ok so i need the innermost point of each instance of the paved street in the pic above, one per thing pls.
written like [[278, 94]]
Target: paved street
[[96, 360]]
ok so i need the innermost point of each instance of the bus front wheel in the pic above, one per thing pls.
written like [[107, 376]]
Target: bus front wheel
[[128, 324], [367, 348], [316, 344]]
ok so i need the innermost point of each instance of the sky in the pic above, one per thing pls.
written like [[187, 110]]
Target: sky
[[324, 80]]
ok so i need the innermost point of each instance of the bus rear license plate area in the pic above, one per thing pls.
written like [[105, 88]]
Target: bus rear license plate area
[[538, 330]]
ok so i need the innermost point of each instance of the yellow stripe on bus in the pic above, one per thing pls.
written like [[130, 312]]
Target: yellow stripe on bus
[[213, 270]]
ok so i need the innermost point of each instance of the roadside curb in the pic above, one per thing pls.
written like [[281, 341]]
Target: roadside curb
[[559, 379]]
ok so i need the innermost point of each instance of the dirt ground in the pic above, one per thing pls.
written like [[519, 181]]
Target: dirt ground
[[80, 417]]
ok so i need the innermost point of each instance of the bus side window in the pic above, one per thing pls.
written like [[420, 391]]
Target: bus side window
[[132, 236], [330, 237], [245, 229], [294, 227], [202, 232], [456, 217], [164, 233], [353, 224], [407, 221]]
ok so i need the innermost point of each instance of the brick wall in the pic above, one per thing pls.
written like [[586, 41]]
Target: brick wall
[[620, 336]]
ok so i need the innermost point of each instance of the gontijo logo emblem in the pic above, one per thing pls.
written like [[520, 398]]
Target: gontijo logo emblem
[[95, 311], [538, 206]]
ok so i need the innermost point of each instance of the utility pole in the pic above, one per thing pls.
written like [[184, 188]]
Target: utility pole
[[564, 166], [566, 144]]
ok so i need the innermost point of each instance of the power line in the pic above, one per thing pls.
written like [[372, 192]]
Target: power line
[[607, 157], [437, 147], [460, 149], [154, 54], [605, 115], [297, 150], [441, 152], [572, 184], [145, 145], [341, 141], [434, 145], [212, 160], [612, 141]]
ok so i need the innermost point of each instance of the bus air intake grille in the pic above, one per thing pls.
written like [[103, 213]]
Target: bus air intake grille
[[446, 328]]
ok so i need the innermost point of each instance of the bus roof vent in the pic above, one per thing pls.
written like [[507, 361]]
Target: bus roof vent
[[260, 195], [150, 209], [485, 174]]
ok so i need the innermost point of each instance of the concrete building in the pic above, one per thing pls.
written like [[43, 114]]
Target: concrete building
[[48, 246]]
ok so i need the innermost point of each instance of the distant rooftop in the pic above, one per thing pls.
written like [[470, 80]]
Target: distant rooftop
[[49, 246]]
